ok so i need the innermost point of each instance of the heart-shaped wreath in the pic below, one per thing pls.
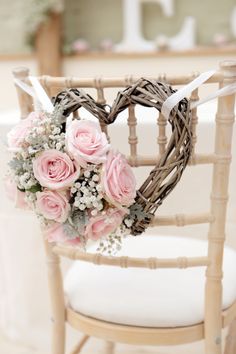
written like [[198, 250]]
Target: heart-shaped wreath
[[66, 171]]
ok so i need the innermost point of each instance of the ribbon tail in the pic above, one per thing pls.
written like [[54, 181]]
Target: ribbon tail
[[224, 91], [41, 99], [41, 95], [174, 99], [28, 89]]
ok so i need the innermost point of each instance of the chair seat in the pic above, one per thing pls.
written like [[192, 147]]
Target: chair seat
[[144, 297]]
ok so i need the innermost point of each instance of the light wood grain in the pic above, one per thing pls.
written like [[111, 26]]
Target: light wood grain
[[219, 198], [140, 335], [118, 82], [77, 349], [48, 46], [230, 345], [57, 300], [127, 262]]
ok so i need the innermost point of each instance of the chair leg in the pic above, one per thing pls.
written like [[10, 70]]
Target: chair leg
[[58, 335], [58, 338], [57, 301], [77, 349], [109, 348], [230, 345]]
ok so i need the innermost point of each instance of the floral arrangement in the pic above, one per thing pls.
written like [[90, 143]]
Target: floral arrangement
[[65, 170]]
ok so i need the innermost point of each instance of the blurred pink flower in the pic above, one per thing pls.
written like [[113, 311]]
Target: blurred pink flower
[[107, 44], [14, 194], [16, 135], [103, 224], [55, 233], [80, 45]]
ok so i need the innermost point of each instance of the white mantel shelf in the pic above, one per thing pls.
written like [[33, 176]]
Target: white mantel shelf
[[199, 51]]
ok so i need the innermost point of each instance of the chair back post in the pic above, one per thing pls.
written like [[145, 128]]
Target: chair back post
[[57, 299], [219, 197], [25, 101]]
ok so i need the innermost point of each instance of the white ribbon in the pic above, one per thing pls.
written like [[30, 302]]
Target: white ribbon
[[41, 94], [172, 100], [28, 89], [224, 91], [38, 93]]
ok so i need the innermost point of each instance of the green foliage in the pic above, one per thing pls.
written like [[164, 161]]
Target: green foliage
[[69, 230], [35, 188], [137, 212], [78, 220]]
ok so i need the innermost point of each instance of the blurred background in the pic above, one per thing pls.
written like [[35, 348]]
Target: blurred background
[[113, 37], [94, 38]]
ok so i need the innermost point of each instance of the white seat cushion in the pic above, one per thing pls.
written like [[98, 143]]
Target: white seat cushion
[[144, 297]]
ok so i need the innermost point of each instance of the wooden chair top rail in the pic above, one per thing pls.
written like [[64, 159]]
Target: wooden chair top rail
[[104, 82], [128, 262], [111, 82]]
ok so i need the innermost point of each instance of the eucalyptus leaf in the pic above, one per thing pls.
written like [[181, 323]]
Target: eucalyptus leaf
[[70, 231], [35, 188], [79, 219], [137, 212], [16, 165]]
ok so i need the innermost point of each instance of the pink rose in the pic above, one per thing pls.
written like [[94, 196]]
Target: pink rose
[[55, 170], [103, 224], [86, 142], [118, 180], [80, 45], [53, 205], [16, 135], [55, 233], [14, 194]]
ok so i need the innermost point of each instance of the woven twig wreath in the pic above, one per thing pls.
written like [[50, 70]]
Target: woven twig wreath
[[169, 168]]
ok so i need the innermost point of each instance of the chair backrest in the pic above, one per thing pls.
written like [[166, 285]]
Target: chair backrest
[[219, 158]]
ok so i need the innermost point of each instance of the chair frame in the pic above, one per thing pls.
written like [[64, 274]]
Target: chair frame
[[215, 319]]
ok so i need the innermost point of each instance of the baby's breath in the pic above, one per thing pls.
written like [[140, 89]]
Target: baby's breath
[[87, 192]]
